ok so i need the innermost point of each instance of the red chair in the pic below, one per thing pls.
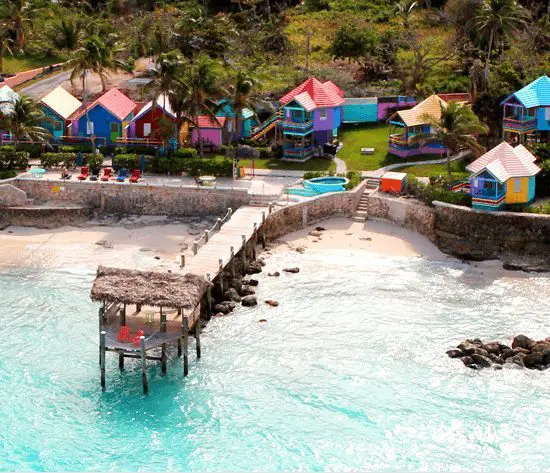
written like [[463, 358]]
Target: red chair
[[136, 175], [107, 174], [123, 334], [84, 173], [137, 339]]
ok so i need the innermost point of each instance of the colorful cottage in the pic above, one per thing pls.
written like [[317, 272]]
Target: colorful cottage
[[527, 111], [311, 116], [148, 122], [503, 175], [248, 120], [58, 106], [413, 122], [109, 115], [211, 132], [7, 97]]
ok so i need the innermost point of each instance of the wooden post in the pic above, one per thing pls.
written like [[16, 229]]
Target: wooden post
[[263, 229], [195, 247], [229, 213], [254, 241], [198, 337], [206, 235], [243, 251], [219, 223], [232, 262], [143, 366], [163, 348], [182, 261], [270, 207], [220, 262], [209, 296], [185, 336], [123, 315], [102, 357], [101, 318]]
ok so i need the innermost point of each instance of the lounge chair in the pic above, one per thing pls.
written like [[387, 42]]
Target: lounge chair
[[122, 175], [123, 334], [95, 175], [136, 175], [84, 172], [107, 174]]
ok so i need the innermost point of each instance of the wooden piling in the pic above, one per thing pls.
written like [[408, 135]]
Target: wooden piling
[[144, 366], [232, 262], [102, 337], [263, 229], [254, 241], [198, 337], [243, 251], [179, 347], [163, 347], [206, 236], [195, 247], [219, 223], [220, 262], [209, 296], [182, 261], [185, 336], [121, 361]]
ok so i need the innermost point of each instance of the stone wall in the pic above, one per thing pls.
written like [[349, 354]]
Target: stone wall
[[11, 195], [137, 199], [295, 217], [44, 217]]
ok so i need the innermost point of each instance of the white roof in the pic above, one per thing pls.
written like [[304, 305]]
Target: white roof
[[160, 103], [62, 102], [7, 94], [504, 162], [394, 176]]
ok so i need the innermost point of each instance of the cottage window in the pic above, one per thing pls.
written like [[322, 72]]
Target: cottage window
[[323, 114], [90, 128], [114, 127], [57, 125], [146, 129], [517, 185], [547, 114]]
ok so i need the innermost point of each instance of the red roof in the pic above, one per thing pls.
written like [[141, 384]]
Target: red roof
[[115, 102], [208, 122], [326, 94]]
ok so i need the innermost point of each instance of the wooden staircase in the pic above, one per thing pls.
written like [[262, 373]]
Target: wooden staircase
[[361, 212]]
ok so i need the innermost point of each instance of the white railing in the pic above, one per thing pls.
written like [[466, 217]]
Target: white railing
[[207, 233]]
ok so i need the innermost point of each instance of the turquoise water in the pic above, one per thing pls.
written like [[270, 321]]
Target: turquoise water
[[349, 372]]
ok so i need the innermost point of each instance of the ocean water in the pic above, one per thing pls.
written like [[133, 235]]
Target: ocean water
[[348, 373]]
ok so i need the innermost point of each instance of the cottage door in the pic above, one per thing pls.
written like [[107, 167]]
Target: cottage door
[[115, 131]]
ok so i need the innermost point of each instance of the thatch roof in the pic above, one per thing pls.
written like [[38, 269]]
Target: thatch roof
[[148, 288]]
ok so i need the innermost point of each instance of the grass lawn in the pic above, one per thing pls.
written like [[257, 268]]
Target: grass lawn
[[458, 170], [314, 164], [370, 136], [16, 64]]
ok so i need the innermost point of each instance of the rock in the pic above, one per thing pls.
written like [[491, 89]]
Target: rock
[[221, 309], [247, 291], [249, 301], [261, 262], [145, 249], [496, 359], [533, 359], [540, 346], [108, 245], [193, 231], [254, 268], [262, 321], [250, 282], [272, 303], [276, 274], [100, 242], [507, 353], [546, 357], [231, 295], [184, 246], [156, 257], [236, 284], [521, 341], [292, 270], [467, 360], [519, 350], [516, 360], [220, 314], [315, 233], [481, 360], [365, 238], [229, 304], [492, 347], [467, 347], [454, 353], [497, 367], [300, 249], [480, 351], [320, 229]]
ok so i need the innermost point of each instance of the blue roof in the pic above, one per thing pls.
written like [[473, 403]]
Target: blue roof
[[536, 94]]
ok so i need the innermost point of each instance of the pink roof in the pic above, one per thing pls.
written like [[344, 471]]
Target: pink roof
[[208, 122], [114, 101], [326, 94], [505, 162], [305, 100]]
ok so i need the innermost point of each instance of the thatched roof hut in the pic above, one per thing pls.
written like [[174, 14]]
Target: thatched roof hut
[[148, 288]]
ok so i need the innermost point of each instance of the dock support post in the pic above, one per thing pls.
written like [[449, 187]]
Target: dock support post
[[254, 241], [263, 229], [195, 247], [270, 207], [144, 366], [102, 357], [163, 348], [123, 315], [206, 236], [220, 262], [121, 361], [209, 296], [185, 335], [182, 261], [198, 337], [232, 262], [229, 213], [243, 251], [219, 223], [123, 322]]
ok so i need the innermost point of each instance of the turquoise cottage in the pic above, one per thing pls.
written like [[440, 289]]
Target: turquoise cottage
[[59, 105]]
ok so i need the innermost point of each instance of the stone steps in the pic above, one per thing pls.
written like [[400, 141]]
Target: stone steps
[[361, 212]]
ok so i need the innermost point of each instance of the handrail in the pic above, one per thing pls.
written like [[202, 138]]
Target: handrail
[[266, 123], [206, 235]]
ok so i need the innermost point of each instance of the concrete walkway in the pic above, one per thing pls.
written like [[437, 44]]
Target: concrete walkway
[[340, 165], [43, 87]]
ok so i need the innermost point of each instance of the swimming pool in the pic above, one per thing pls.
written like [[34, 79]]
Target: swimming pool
[[321, 185]]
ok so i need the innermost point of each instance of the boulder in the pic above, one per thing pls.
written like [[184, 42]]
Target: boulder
[[250, 282], [467, 360], [300, 250], [249, 301], [291, 270], [454, 353], [315, 233], [231, 295], [223, 309], [516, 359], [254, 268], [519, 350], [497, 367], [261, 262], [533, 359], [507, 353], [546, 357], [481, 351], [272, 303], [276, 274], [481, 360], [467, 347], [219, 314], [540, 346], [496, 359], [236, 284], [320, 229], [247, 291], [492, 347], [522, 341]]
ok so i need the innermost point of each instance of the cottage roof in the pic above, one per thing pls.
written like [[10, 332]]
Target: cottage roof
[[7, 94], [535, 94], [305, 100], [504, 162], [208, 122], [394, 176], [326, 94], [160, 102], [460, 97], [114, 101], [148, 288], [427, 110], [61, 102]]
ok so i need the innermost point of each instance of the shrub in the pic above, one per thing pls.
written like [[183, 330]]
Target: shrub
[[217, 166], [7, 174], [431, 192], [543, 208], [128, 161], [184, 153], [33, 149], [354, 178], [265, 152], [49, 160], [95, 160], [9, 159], [77, 148]]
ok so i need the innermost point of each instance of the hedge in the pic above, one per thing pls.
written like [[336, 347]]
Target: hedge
[[78, 148], [429, 193], [184, 153], [50, 160], [10, 160], [7, 174], [128, 161]]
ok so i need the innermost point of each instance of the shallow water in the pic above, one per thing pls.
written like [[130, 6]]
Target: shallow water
[[349, 372]]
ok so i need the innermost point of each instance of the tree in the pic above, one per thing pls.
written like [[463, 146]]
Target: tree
[[456, 129], [404, 9], [5, 43], [167, 69], [351, 43], [200, 88], [240, 98], [495, 19], [65, 33], [17, 14], [24, 121]]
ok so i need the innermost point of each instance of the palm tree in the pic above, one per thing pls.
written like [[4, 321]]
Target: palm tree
[[17, 14], [200, 89], [5, 43], [166, 71], [456, 129], [405, 9], [24, 121], [65, 33], [496, 19]]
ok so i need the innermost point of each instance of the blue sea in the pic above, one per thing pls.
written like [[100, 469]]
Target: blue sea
[[348, 373]]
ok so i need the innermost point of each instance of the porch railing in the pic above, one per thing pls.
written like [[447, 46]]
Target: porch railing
[[528, 124], [208, 233], [297, 127], [298, 153]]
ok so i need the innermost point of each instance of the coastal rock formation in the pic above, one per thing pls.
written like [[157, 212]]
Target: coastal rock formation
[[254, 267], [291, 270], [276, 274], [524, 352], [249, 301], [247, 291], [231, 295], [250, 282], [272, 303]]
